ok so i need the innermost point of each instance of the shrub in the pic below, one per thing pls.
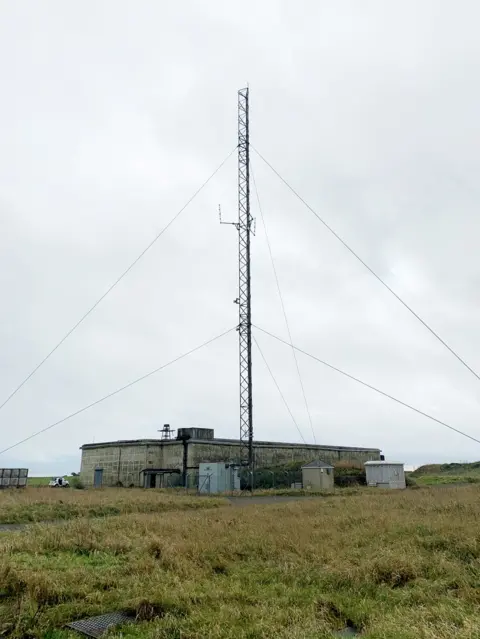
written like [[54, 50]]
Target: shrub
[[410, 481], [349, 474], [350, 480]]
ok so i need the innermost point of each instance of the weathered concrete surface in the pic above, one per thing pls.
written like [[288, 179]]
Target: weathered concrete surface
[[123, 461], [347, 632], [10, 527]]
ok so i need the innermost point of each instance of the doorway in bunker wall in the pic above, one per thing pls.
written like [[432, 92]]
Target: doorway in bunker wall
[[98, 478]]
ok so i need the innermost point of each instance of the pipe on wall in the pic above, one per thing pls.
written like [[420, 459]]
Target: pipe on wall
[[184, 439]]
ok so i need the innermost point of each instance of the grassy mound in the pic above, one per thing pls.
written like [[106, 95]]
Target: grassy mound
[[440, 474], [447, 469]]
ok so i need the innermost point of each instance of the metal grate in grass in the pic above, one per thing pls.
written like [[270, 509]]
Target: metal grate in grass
[[97, 626]]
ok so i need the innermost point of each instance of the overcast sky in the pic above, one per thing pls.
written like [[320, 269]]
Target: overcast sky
[[112, 113]]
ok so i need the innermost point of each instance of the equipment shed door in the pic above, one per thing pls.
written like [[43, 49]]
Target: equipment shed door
[[98, 478]]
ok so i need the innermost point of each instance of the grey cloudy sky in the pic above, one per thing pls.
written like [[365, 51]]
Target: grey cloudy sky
[[112, 113]]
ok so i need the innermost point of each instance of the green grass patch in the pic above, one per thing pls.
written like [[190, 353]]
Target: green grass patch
[[435, 480], [472, 468], [396, 565], [53, 504], [443, 474]]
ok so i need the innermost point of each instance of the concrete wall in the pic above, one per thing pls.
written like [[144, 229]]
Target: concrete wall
[[123, 461], [274, 454]]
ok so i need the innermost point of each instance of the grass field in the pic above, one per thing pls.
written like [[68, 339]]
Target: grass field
[[441, 479], [51, 504], [396, 565], [43, 481]]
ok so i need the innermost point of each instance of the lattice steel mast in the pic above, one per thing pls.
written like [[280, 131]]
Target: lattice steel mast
[[244, 292]]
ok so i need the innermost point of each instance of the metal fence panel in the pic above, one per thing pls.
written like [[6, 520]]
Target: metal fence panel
[[13, 477]]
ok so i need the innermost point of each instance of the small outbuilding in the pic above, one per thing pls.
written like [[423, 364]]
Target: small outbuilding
[[218, 477], [317, 475], [385, 474]]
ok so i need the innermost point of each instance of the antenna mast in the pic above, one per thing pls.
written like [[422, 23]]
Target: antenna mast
[[244, 293]]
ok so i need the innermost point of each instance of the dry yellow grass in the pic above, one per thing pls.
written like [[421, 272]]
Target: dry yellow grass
[[49, 504], [401, 565]]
